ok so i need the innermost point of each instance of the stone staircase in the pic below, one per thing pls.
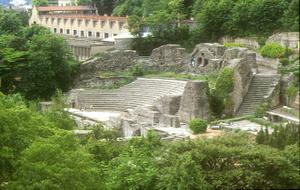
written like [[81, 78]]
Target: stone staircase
[[138, 93], [260, 87]]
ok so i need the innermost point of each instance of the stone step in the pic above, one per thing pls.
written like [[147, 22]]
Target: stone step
[[138, 93], [259, 87]]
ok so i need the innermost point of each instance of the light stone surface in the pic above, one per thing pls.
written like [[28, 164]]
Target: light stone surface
[[168, 104], [194, 102], [242, 80], [170, 121], [169, 57], [291, 39]]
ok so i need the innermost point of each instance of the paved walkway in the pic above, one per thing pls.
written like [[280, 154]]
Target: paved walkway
[[285, 115]]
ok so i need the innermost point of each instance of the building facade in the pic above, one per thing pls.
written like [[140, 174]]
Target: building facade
[[80, 21]]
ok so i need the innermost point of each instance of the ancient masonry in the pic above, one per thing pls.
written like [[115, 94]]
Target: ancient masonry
[[156, 103]]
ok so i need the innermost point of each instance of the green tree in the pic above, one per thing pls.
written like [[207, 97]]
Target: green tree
[[182, 173], [105, 6], [50, 66], [290, 19], [58, 162], [84, 2], [10, 23], [40, 2], [19, 127]]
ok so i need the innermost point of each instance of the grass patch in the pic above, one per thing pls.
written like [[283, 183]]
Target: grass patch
[[126, 74], [155, 74], [233, 45], [174, 75]]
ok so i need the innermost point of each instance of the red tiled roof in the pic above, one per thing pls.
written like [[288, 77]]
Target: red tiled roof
[[65, 8], [91, 17]]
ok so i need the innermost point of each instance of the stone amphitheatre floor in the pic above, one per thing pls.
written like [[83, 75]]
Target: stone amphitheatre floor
[[96, 116]]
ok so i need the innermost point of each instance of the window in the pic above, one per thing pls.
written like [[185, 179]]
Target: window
[[111, 24], [90, 34], [87, 22], [115, 34], [74, 32], [95, 23], [61, 31], [54, 30], [106, 35], [68, 31], [65, 21], [82, 33], [121, 24], [97, 34], [72, 21], [102, 24]]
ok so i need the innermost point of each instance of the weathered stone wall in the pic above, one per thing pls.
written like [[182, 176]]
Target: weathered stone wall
[[170, 57], [169, 106], [194, 102], [102, 83], [208, 57], [242, 80], [123, 43], [274, 95], [286, 81], [250, 43], [291, 39], [240, 53], [267, 62], [108, 61]]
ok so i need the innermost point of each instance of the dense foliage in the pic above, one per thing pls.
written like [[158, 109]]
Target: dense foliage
[[33, 61], [280, 137], [37, 154], [20, 126], [167, 19]]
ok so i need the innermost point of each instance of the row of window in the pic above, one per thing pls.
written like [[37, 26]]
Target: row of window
[[79, 22], [82, 33]]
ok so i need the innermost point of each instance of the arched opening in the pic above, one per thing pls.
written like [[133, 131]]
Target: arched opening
[[200, 60]]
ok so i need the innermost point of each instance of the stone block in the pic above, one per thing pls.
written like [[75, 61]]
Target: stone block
[[170, 121], [168, 104], [194, 102]]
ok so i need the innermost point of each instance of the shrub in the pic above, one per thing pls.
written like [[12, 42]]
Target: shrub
[[216, 104], [284, 61], [291, 93], [274, 50], [198, 126], [137, 71], [261, 110], [225, 82]]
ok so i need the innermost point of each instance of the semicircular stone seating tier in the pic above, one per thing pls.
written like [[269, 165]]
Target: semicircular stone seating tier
[[141, 92]]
